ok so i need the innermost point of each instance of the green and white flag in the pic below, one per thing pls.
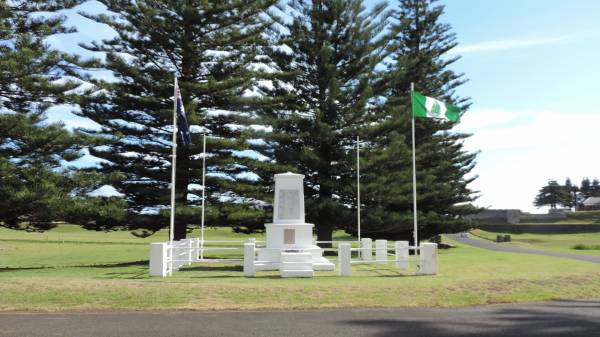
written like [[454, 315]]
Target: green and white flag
[[423, 106]]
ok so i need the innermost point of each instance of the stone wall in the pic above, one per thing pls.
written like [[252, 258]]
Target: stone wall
[[541, 217], [540, 228], [497, 216], [513, 216]]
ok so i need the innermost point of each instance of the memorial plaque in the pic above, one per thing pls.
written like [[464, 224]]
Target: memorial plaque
[[288, 205], [289, 236]]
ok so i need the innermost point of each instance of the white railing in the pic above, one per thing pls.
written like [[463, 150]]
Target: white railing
[[167, 257], [426, 261]]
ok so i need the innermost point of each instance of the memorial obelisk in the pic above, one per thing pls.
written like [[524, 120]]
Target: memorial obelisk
[[289, 232]]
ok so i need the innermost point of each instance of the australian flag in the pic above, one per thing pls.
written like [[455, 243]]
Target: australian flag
[[183, 128]]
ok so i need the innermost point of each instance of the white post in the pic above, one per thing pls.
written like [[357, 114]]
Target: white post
[[366, 246], [414, 173], [190, 250], [358, 189], [401, 248], [203, 195], [158, 259], [344, 259], [249, 249], [428, 259], [170, 251], [196, 249], [381, 251], [176, 254], [173, 162], [181, 255]]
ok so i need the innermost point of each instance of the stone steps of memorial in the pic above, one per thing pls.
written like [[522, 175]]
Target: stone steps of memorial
[[323, 266], [297, 265], [297, 273], [296, 257]]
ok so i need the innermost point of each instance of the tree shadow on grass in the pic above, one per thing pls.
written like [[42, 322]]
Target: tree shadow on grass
[[563, 318], [95, 265], [375, 270], [120, 264], [208, 268], [8, 269], [124, 276]]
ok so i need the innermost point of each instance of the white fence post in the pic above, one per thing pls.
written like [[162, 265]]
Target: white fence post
[[381, 251], [170, 252], [249, 249], [401, 254], [197, 250], [366, 246], [158, 259], [190, 250], [344, 259], [177, 253], [428, 261]]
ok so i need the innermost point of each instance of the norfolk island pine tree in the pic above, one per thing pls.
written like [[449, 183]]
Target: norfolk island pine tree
[[36, 185], [419, 55], [211, 47], [329, 49]]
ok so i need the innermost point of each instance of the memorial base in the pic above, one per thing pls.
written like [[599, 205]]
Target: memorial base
[[270, 258], [290, 238]]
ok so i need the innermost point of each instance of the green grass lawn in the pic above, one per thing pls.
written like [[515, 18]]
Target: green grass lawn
[[72, 269], [553, 242]]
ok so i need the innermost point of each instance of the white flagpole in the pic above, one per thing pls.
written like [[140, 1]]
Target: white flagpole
[[414, 174], [203, 195], [358, 189], [173, 163]]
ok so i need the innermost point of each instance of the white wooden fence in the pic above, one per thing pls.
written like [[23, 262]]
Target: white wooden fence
[[166, 257], [426, 260]]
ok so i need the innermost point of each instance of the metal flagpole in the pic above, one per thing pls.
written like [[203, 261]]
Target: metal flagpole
[[358, 189], [414, 174], [203, 195], [173, 162]]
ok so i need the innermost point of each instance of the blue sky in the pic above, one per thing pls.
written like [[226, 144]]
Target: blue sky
[[533, 68]]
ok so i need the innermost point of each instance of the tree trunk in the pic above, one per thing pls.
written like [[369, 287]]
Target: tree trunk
[[181, 191], [325, 233]]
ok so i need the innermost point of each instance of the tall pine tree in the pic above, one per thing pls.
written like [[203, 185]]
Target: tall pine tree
[[34, 188], [570, 194], [330, 50], [595, 188], [215, 48], [585, 188], [552, 194], [420, 56]]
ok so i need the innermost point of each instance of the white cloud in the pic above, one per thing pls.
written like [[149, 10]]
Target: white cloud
[[496, 45], [496, 129], [484, 118], [521, 150]]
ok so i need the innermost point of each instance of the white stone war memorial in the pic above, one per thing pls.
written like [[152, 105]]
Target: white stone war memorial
[[290, 247]]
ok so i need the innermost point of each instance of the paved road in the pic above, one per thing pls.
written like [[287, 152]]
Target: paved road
[[559, 318], [486, 244]]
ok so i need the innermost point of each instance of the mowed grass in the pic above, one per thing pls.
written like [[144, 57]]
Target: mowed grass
[[72, 269], [568, 243]]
